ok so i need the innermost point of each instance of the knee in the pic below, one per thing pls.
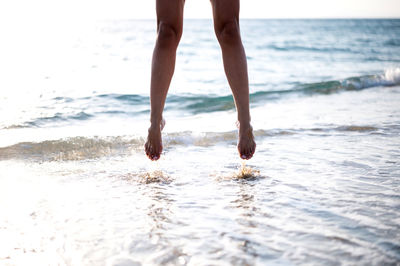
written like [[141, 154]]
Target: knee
[[228, 33], [168, 35]]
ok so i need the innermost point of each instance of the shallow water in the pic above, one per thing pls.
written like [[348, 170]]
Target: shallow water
[[323, 187]]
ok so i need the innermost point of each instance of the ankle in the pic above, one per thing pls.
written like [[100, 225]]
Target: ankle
[[154, 126], [156, 122], [243, 125]]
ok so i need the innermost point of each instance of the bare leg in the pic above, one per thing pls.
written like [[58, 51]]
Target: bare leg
[[169, 29], [226, 25]]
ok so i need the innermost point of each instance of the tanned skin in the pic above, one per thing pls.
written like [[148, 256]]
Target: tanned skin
[[169, 29]]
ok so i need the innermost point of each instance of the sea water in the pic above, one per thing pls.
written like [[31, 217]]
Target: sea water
[[323, 187]]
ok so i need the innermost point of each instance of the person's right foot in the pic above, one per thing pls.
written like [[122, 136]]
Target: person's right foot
[[153, 146], [246, 143]]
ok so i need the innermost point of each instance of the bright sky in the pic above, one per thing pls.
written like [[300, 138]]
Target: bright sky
[[131, 9]]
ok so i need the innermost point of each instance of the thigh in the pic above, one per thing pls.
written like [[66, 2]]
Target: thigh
[[170, 12], [225, 11]]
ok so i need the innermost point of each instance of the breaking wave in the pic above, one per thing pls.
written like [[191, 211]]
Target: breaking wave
[[86, 108], [86, 148]]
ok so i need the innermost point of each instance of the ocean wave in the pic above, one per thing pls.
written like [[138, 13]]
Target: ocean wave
[[204, 104], [74, 148], [55, 118], [212, 103], [391, 77], [393, 42], [300, 48], [86, 108], [87, 148]]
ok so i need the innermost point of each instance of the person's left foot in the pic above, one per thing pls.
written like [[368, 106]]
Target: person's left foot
[[246, 144]]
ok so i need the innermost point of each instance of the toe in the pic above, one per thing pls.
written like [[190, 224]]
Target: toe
[[249, 153], [253, 149], [155, 156]]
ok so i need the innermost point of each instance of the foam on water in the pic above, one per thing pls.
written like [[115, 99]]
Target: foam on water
[[84, 148]]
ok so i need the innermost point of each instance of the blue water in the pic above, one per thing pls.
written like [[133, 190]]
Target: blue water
[[285, 57], [323, 187]]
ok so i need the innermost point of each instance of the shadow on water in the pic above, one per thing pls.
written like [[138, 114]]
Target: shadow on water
[[163, 222], [154, 243], [245, 211]]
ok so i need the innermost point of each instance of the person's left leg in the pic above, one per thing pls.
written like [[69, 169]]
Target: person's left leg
[[226, 25]]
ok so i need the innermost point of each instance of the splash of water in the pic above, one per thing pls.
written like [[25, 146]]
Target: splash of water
[[156, 176], [243, 173], [246, 172]]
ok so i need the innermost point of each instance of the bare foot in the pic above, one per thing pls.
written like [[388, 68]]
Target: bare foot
[[153, 146], [246, 143]]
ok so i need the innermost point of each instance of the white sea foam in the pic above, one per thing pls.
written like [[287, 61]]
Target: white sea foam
[[392, 76]]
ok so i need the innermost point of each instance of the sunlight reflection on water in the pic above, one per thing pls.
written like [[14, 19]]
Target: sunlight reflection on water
[[322, 189]]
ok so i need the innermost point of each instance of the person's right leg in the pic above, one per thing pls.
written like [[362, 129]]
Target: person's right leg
[[169, 29]]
